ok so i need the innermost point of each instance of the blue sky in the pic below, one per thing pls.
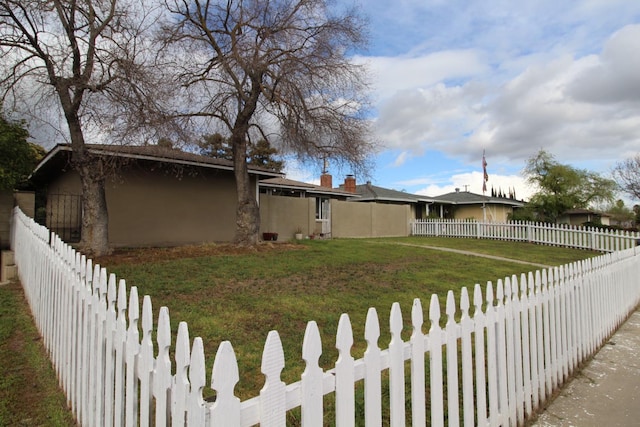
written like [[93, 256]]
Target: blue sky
[[454, 78]]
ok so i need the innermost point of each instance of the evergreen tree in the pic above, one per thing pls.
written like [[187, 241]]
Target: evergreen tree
[[216, 146], [261, 154], [18, 157]]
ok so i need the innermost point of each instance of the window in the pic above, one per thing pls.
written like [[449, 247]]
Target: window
[[322, 208]]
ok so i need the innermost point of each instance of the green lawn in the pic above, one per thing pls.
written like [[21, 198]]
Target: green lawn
[[242, 296], [29, 393]]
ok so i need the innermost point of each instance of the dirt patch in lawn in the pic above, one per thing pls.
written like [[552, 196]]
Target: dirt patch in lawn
[[137, 255]]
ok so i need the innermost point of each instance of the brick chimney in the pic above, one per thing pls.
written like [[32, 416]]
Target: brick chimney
[[350, 184], [326, 180]]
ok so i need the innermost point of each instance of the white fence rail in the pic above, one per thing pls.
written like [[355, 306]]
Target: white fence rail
[[513, 344], [546, 234]]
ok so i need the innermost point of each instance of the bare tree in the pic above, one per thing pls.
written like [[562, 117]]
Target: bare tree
[[627, 174], [275, 69], [84, 54]]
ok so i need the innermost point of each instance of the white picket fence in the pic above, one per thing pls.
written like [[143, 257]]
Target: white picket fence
[[514, 343], [546, 234]]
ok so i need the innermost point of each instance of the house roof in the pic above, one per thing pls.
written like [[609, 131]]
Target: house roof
[[58, 157], [289, 184], [468, 198], [369, 192]]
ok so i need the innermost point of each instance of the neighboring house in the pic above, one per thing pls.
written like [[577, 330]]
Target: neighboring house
[[467, 205], [288, 206], [418, 205], [157, 197], [581, 216]]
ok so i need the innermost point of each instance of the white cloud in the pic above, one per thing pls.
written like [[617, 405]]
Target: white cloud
[[577, 108], [432, 117], [405, 72], [614, 76]]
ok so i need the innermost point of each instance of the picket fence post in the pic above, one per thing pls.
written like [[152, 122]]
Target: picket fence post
[[344, 398], [435, 359], [312, 377], [224, 377], [452, 334], [372, 380], [466, 329], [181, 379], [396, 368], [417, 340], [162, 378]]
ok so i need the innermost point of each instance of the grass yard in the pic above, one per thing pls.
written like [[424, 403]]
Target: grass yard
[[227, 294], [29, 393]]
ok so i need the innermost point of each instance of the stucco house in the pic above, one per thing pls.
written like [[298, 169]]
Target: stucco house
[[325, 211], [418, 205], [159, 196], [455, 205], [156, 197], [288, 206], [468, 205], [581, 216]]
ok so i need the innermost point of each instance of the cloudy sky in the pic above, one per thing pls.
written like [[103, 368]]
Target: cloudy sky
[[455, 77]]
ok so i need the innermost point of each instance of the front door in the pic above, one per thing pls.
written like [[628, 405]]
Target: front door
[[323, 216]]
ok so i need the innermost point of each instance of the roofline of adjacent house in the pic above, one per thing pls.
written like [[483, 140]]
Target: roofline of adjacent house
[[310, 189], [101, 151], [412, 198], [492, 201], [393, 199]]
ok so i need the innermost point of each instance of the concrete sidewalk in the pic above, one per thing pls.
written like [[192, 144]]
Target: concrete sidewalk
[[607, 390]]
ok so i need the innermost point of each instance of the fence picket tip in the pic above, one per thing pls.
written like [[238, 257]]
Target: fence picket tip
[[344, 335], [434, 309], [464, 299], [417, 316], [450, 308]]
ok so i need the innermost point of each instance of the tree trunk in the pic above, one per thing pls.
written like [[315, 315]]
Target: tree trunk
[[95, 217], [247, 211], [94, 239]]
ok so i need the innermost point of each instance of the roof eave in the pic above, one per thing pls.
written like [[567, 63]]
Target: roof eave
[[60, 148], [314, 190]]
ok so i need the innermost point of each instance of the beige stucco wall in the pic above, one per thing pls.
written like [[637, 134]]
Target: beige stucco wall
[[496, 213], [26, 200], [282, 215], [352, 219], [158, 208]]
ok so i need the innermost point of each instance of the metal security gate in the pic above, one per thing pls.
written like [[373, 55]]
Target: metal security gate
[[64, 216]]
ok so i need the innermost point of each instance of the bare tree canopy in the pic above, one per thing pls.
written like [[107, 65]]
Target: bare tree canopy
[[278, 70], [84, 55], [627, 174]]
